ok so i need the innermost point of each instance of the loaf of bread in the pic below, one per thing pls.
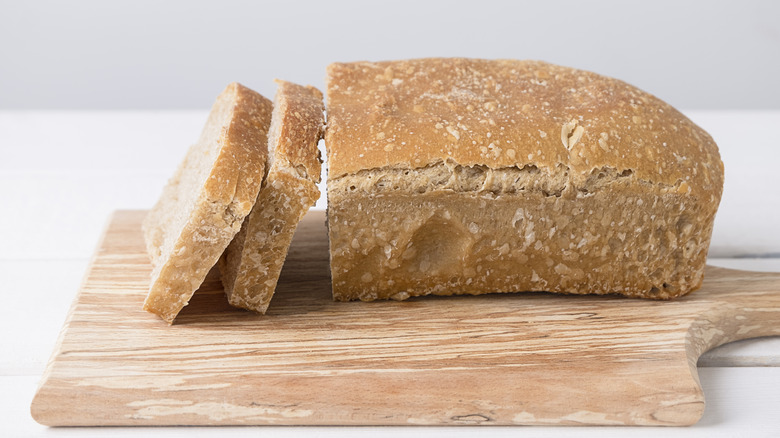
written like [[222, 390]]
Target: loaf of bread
[[252, 263], [466, 176], [206, 201]]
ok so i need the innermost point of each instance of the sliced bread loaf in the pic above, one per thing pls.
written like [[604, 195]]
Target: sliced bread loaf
[[252, 263], [204, 204]]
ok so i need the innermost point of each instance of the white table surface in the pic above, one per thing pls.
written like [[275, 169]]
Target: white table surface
[[62, 173]]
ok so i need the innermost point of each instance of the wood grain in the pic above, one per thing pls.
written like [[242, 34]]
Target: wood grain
[[530, 358]]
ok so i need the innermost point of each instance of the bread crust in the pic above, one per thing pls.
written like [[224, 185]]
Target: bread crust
[[252, 263], [507, 113], [501, 176], [205, 202]]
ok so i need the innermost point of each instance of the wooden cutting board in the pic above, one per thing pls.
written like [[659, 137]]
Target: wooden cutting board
[[529, 358]]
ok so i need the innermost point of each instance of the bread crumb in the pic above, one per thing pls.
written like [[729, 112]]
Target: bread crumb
[[603, 137], [398, 296], [518, 217], [571, 133], [495, 150]]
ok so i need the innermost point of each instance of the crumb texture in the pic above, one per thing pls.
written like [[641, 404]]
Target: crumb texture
[[464, 176], [251, 265], [204, 204], [398, 245]]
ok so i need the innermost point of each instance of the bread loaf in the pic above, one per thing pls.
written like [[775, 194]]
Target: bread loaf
[[206, 201], [467, 176], [252, 263]]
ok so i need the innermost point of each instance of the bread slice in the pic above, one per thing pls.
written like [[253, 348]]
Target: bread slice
[[252, 263], [469, 176], [203, 206]]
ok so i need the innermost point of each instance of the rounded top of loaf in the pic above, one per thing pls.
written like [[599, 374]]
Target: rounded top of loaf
[[508, 113]]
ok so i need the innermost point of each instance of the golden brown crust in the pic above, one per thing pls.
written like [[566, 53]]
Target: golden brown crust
[[462, 176], [205, 202], [252, 263], [506, 113]]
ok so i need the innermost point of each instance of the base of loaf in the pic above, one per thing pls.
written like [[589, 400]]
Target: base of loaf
[[639, 243]]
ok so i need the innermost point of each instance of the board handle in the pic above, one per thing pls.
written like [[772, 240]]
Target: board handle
[[744, 305]]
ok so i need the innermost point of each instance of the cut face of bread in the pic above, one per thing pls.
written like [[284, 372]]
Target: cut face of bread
[[463, 176], [206, 201], [252, 263]]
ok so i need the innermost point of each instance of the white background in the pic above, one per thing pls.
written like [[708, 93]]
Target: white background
[[95, 54]]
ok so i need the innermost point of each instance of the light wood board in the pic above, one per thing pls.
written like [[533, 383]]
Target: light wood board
[[524, 358]]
